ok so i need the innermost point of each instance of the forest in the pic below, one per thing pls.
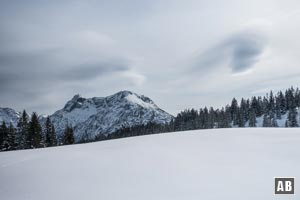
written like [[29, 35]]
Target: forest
[[31, 133]]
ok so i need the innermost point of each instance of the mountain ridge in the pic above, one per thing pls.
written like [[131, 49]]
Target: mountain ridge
[[101, 115]]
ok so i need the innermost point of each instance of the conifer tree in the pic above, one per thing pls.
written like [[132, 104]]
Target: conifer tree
[[292, 118], [50, 135], [277, 111], [34, 138], [265, 105], [69, 135], [211, 118], [1, 137], [254, 105], [290, 99], [297, 97], [228, 117], [11, 137], [266, 121], [234, 111], [22, 131], [8, 133], [259, 109], [244, 110], [4, 137], [240, 118], [271, 103], [281, 102], [252, 118]]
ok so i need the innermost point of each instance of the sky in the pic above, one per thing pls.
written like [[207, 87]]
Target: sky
[[181, 54]]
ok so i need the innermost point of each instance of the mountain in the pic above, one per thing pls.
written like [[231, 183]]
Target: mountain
[[100, 115], [8, 115], [104, 115]]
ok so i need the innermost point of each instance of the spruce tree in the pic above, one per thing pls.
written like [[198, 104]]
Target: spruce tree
[[225, 119], [252, 118], [201, 119], [205, 118], [254, 105], [22, 131], [290, 99], [11, 137], [244, 110], [281, 102], [228, 117], [297, 97], [265, 105], [292, 118], [211, 118], [259, 109], [277, 111], [69, 136], [234, 111], [8, 139], [34, 138], [271, 102], [50, 135], [4, 137], [241, 118], [1, 137]]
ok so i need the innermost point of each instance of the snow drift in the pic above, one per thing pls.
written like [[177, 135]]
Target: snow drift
[[205, 164]]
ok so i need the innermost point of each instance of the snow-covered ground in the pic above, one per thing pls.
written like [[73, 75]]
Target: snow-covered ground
[[205, 164]]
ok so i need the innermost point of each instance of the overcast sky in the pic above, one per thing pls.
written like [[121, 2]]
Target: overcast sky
[[181, 54]]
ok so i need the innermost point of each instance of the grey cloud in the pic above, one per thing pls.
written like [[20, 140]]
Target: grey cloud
[[241, 52], [19, 68], [52, 49], [245, 50], [25, 76], [38, 66], [90, 71]]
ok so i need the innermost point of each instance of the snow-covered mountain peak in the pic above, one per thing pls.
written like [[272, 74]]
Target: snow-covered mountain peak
[[104, 115], [122, 97], [75, 102], [100, 115], [141, 101], [132, 98], [123, 93], [9, 115]]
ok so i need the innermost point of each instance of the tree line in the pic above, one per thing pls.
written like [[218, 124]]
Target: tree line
[[30, 134], [270, 108]]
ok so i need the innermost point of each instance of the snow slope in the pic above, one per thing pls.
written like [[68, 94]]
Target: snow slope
[[206, 164]]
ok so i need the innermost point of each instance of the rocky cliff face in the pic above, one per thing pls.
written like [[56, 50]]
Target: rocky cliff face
[[100, 115], [9, 115], [104, 115]]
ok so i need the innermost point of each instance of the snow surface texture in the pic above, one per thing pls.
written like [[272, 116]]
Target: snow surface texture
[[231, 164]]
